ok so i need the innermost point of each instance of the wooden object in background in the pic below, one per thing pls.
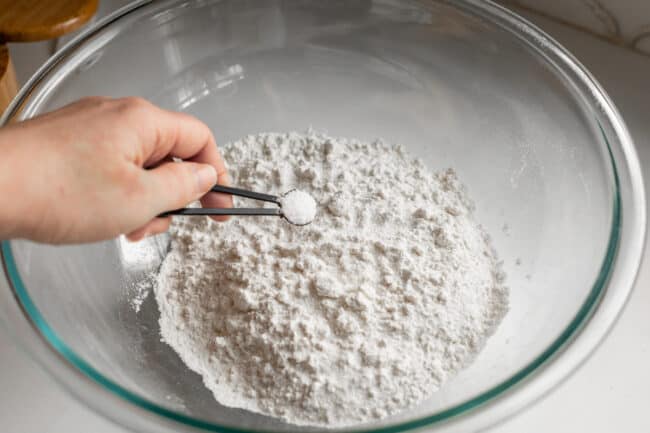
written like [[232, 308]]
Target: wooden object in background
[[31, 21], [40, 20], [8, 84]]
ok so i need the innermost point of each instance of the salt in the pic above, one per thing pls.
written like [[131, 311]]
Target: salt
[[298, 207]]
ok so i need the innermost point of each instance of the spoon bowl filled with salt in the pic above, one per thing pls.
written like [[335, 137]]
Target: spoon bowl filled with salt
[[295, 206]]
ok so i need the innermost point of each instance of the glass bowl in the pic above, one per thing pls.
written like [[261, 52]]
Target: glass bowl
[[462, 84]]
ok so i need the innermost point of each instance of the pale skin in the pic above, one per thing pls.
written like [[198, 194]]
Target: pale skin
[[101, 167]]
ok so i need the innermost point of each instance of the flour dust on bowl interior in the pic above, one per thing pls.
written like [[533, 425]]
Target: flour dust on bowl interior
[[544, 155]]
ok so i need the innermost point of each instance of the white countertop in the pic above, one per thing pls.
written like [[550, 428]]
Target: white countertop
[[611, 392]]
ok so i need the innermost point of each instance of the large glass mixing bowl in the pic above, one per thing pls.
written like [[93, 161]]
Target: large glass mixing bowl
[[462, 84]]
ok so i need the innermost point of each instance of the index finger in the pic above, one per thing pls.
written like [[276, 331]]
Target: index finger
[[172, 134]]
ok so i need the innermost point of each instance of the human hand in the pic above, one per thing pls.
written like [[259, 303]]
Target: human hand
[[102, 167]]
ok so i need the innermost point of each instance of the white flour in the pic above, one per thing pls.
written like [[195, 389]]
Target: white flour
[[366, 311]]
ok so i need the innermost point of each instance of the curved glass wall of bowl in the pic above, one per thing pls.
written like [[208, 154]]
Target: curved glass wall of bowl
[[464, 85]]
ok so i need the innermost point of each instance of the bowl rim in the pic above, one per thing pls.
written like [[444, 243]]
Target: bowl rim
[[604, 302]]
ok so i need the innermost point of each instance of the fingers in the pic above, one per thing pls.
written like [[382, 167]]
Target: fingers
[[167, 133], [173, 185], [170, 134], [153, 227], [219, 200], [182, 136]]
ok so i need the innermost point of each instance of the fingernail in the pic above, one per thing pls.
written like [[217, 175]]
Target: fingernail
[[206, 178]]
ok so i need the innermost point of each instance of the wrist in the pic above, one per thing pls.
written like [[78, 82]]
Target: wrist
[[12, 173]]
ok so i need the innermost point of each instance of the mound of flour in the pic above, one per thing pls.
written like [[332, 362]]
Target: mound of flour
[[366, 311]]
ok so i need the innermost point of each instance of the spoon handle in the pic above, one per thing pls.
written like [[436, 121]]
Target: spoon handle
[[246, 193], [224, 211]]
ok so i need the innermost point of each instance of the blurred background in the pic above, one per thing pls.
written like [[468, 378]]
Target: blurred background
[[625, 23], [622, 22], [610, 393]]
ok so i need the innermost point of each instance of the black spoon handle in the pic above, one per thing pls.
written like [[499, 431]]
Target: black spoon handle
[[245, 193], [224, 211]]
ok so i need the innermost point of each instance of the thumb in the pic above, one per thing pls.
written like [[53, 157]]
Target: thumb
[[173, 185]]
